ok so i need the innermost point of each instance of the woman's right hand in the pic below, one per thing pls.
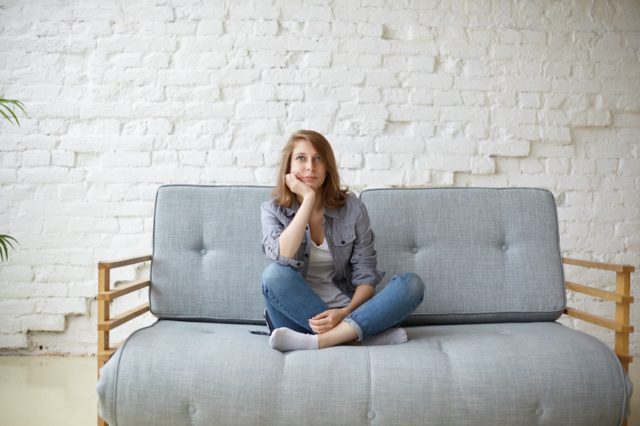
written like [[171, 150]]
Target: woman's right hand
[[297, 186], [292, 236]]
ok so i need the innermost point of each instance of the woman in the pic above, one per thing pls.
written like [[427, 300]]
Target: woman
[[319, 291]]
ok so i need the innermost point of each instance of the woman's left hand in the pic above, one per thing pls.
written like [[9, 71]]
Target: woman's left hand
[[327, 320]]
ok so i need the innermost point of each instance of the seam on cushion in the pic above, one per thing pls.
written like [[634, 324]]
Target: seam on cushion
[[487, 313], [114, 392], [117, 372], [369, 384], [623, 378], [429, 316], [555, 211], [153, 245], [212, 320], [623, 374]]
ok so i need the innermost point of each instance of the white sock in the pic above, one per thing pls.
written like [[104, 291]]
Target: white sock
[[285, 339], [392, 336]]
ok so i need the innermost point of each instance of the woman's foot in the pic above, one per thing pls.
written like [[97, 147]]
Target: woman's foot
[[285, 340]]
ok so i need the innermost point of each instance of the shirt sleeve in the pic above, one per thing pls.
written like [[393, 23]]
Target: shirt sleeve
[[364, 259], [272, 227]]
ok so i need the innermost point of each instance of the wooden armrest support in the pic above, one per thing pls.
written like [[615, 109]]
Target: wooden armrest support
[[110, 295], [598, 265], [622, 298], [626, 359], [597, 320], [118, 320], [596, 292], [123, 262], [104, 355]]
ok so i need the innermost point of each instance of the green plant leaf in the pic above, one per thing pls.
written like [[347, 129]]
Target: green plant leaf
[[8, 237], [4, 106], [4, 250]]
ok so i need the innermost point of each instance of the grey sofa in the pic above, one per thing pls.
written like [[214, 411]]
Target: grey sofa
[[484, 346]]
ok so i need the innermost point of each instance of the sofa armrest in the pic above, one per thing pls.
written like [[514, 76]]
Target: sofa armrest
[[123, 262], [598, 265], [622, 298], [106, 322]]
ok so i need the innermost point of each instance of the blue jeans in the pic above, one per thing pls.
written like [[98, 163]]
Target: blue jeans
[[291, 303]]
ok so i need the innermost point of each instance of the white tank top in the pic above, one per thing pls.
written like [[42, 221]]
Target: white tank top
[[320, 273]]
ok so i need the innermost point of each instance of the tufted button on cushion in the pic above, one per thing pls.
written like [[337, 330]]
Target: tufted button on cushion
[[504, 247], [203, 251], [414, 249], [539, 411], [192, 409]]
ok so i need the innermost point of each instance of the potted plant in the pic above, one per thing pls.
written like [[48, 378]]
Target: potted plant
[[7, 107]]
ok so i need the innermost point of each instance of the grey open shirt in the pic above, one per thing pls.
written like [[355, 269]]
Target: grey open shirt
[[349, 236]]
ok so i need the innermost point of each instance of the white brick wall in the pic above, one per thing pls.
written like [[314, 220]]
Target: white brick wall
[[126, 96]]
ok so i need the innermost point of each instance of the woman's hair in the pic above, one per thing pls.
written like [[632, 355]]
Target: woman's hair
[[333, 195]]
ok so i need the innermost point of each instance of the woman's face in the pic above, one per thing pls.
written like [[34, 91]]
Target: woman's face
[[307, 165]]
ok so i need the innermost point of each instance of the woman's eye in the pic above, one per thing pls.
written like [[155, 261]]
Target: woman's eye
[[299, 157]]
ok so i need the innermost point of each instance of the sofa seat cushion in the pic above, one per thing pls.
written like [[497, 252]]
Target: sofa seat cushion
[[186, 373]]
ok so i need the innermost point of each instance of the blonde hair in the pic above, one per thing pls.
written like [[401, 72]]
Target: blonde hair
[[333, 195]]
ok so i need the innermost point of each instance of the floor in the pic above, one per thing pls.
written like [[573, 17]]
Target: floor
[[61, 391]]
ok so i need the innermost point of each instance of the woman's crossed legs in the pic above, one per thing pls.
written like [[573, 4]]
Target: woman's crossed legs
[[290, 304]]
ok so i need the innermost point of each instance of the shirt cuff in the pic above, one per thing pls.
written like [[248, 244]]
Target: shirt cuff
[[289, 261]]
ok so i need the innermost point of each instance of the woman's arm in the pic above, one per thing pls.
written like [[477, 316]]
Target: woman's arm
[[291, 237], [328, 319], [363, 293]]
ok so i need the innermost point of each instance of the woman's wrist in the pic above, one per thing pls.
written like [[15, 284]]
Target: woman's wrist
[[309, 197], [346, 311]]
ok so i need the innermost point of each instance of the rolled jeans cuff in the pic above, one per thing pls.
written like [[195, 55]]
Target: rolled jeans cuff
[[356, 327]]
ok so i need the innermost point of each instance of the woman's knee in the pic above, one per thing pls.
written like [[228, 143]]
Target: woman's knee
[[275, 277], [413, 286]]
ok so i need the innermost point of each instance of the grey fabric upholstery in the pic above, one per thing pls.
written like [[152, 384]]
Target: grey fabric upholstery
[[491, 264], [484, 254], [207, 259], [181, 373]]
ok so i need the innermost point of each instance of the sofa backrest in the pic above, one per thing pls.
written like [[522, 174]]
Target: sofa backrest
[[207, 257], [484, 254]]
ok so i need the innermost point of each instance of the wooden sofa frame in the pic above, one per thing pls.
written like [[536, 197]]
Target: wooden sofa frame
[[621, 325]]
